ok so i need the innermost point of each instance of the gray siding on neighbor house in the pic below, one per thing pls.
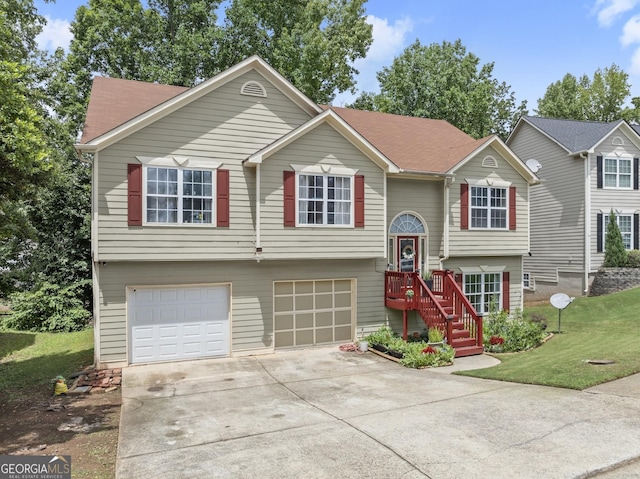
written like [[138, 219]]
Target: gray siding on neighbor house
[[251, 289], [224, 126], [512, 264], [481, 242], [557, 206], [623, 201], [424, 198], [321, 146]]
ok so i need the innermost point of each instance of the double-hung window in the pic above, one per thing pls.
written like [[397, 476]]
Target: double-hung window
[[625, 225], [484, 291], [179, 195], [617, 173], [488, 207], [325, 199]]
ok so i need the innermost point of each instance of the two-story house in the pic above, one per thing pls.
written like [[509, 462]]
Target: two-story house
[[587, 170], [239, 217]]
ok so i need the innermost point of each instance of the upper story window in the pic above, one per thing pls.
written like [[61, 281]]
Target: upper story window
[[179, 195], [325, 200], [488, 207], [617, 173]]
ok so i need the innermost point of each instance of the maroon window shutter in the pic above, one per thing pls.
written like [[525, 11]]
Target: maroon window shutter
[[222, 197], [289, 179], [464, 206], [505, 291], [358, 196], [512, 207], [134, 182]]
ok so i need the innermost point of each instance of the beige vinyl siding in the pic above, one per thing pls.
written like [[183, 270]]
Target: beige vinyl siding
[[512, 264], [557, 206], [479, 242], [424, 198], [321, 146], [222, 125], [603, 200], [251, 290]]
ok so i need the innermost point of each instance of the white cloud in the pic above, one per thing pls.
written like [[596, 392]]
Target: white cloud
[[388, 42], [56, 33], [609, 10], [388, 39], [634, 68], [631, 31]]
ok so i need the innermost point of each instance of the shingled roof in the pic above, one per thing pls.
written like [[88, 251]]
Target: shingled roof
[[413, 144], [574, 135], [114, 101]]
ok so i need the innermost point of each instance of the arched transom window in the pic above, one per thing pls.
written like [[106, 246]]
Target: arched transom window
[[407, 224]]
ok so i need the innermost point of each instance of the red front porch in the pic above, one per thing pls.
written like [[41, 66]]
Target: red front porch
[[442, 306]]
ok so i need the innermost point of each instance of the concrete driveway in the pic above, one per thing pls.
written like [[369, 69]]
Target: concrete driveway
[[322, 413]]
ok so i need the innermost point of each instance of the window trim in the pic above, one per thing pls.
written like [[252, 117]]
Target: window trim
[[528, 283], [193, 166], [489, 208], [325, 172], [605, 223], [481, 271], [617, 160]]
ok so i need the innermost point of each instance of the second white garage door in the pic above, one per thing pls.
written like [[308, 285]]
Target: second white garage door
[[174, 323]]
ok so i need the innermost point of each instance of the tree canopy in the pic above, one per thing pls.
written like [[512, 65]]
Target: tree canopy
[[444, 81], [601, 98]]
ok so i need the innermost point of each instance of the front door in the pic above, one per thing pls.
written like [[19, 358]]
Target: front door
[[407, 253]]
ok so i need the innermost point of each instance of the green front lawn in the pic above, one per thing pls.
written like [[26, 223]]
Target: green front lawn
[[604, 327], [33, 359]]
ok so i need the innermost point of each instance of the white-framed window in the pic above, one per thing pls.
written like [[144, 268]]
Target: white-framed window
[[489, 207], [484, 290], [324, 199], [175, 195], [625, 225], [526, 281], [618, 173]]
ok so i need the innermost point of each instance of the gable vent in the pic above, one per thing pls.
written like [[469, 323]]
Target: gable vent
[[617, 141], [253, 88], [489, 162]]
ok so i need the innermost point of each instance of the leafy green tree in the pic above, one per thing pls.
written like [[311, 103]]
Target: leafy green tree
[[615, 255], [601, 98], [444, 81], [313, 43]]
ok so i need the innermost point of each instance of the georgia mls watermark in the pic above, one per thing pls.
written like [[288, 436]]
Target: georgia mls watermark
[[35, 467]]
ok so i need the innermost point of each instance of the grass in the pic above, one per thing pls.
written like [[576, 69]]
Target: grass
[[603, 327], [33, 359]]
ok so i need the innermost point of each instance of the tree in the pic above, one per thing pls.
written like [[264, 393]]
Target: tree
[[599, 99], [443, 81], [180, 42], [614, 253], [313, 43]]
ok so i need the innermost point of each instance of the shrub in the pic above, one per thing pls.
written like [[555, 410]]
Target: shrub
[[615, 255], [51, 307], [633, 259], [518, 334]]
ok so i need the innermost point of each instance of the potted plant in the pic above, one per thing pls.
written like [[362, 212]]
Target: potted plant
[[426, 276], [436, 338]]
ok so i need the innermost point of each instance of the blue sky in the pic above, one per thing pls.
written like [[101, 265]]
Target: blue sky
[[533, 43]]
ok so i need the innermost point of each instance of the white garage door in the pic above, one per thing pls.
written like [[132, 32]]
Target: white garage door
[[173, 323]]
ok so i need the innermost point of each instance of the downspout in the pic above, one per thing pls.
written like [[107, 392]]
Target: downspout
[[445, 230], [587, 221], [258, 253]]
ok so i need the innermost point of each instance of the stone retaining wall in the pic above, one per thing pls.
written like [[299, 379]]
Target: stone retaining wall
[[612, 280]]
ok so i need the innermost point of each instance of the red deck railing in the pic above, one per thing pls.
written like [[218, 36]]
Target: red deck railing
[[439, 306]]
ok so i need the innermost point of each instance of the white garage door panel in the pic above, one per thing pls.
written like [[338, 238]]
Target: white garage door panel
[[178, 323]]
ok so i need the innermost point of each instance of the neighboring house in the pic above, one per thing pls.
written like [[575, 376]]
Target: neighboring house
[[238, 217], [587, 169]]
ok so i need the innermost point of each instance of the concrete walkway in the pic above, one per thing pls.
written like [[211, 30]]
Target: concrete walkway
[[322, 413]]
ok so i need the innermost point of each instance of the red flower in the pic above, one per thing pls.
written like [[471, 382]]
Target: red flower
[[495, 340], [429, 350]]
